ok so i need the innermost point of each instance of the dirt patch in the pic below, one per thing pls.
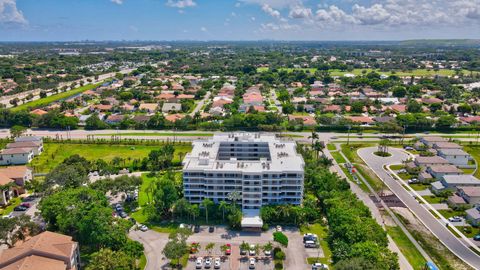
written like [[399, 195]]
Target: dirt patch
[[409, 219]]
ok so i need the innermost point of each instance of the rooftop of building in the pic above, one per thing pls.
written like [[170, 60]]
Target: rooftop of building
[[275, 156]]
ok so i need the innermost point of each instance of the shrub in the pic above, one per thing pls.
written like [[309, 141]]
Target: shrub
[[279, 265], [280, 238], [280, 255], [265, 227]]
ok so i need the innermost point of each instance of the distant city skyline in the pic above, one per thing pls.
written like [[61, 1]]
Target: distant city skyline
[[73, 20]]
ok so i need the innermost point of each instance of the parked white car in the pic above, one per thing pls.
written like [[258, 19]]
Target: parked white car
[[199, 263], [319, 266], [216, 264], [251, 264]]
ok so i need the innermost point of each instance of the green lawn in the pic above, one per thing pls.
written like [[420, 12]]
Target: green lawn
[[13, 203], [158, 134], [448, 213], [474, 151], [55, 153], [419, 186], [350, 151], [404, 176], [414, 72], [331, 147], [412, 254], [338, 157], [433, 199], [47, 100], [397, 167], [469, 231], [371, 177], [142, 262]]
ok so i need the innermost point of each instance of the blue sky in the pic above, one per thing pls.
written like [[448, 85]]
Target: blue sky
[[71, 20]]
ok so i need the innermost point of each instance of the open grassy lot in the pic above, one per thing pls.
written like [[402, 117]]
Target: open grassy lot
[[350, 151], [406, 246], [47, 100], [413, 72], [169, 134], [397, 167], [55, 153]]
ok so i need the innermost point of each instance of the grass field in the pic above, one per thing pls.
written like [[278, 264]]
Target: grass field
[[55, 153], [433, 199], [169, 134], [338, 158], [350, 151], [412, 254], [414, 72], [331, 147], [47, 100]]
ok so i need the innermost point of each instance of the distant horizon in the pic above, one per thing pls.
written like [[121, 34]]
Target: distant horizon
[[238, 40], [238, 20]]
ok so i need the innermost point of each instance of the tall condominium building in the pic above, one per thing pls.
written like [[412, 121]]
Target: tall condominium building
[[260, 167]]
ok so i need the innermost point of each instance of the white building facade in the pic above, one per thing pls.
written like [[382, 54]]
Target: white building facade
[[260, 167]]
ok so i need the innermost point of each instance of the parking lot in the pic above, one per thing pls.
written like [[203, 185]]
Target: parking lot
[[296, 253]]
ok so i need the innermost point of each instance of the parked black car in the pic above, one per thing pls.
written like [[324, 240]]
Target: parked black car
[[196, 229], [211, 229], [20, 208]]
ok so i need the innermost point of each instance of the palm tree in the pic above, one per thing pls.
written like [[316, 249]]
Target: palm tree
[[223, 248], [209, 247], [206, 203], [244, 246], [234, 196], [194, 211], [223, 205], [267, 247], [196, 247], [314, 136], [318, 146]]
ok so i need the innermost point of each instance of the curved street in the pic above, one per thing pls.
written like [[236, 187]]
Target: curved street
[[438, 228]]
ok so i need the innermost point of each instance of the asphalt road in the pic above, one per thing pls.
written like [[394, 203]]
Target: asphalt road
[[437, 227], [153, 242]]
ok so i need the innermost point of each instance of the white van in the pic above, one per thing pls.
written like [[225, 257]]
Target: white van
[[310, 244]]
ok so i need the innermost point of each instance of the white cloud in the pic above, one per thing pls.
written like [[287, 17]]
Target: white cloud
[[181, 3], [270, 11], [10, 14], [252, 19], [233, 14], [271, 3], [394, 13], [203, 29], [238, 4], [118, 2], [300, 12]]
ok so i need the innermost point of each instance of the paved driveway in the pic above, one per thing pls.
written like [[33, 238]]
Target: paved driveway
[[153, 242], [437, 227]]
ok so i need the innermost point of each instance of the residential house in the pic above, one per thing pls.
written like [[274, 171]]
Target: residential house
[[114, 119], [171, 107], [438, 171], [38, 112], [333, 108], [363, 120], [148, 107], [398, 108], [471, 194], [48, 251], [446, 145], [17, 175], [16, 156], [455, 156], [101, 108], [430, 161], [36, 146], [141, 119], [306, 120], [174, 117], [455, 201], [473, 216], [452, 182], [429, 141]]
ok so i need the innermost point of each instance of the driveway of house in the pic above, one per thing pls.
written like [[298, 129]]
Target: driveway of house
[[153, 242]]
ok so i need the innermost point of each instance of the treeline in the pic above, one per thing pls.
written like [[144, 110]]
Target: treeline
[[356, 240]]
